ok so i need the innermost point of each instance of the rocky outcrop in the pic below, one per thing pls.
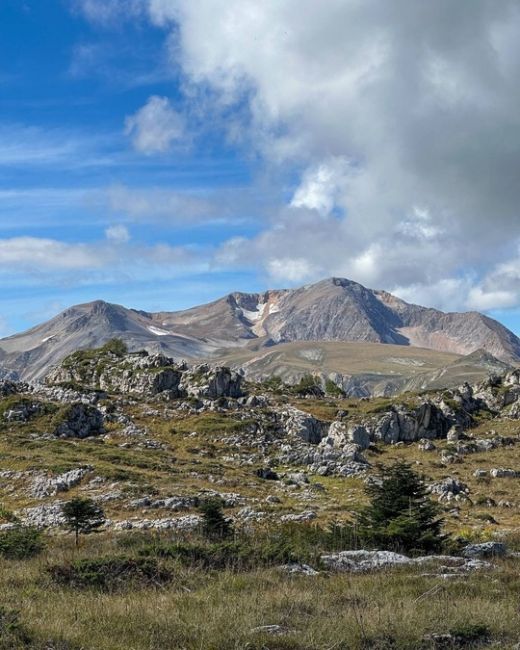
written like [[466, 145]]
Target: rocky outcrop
[[78, 421], [325, 460], [409, 425], [501, 472], [486, 549], [450, 489], [494, 394], [145, 375], [304, 426], [44, 486], [364, 561], [23, 411], [203, 381], [45, 516], [341, 434], [139, 373], [186, 523]]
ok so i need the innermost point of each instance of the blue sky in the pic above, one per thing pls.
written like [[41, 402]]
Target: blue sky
[[161, 153], [67, 86]]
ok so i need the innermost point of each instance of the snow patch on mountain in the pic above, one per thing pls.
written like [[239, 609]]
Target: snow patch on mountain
[[254, 316], [158, 331]]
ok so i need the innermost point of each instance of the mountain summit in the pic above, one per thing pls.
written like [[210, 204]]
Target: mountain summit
[[333, 310], [337, 309]]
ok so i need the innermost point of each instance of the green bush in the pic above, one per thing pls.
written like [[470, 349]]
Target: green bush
[[115, 346], [331, 388], [110, 573], [274, 384], [308, 385], [20, 543], [470, 635]]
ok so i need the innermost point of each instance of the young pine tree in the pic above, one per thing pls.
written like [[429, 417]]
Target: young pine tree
[[214, 524], [401, 516], [82, 516]]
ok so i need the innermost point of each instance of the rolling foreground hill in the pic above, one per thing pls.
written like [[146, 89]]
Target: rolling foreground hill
[[257, 330]]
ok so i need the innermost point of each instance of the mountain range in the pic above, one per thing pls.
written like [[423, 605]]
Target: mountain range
[[330, 326]]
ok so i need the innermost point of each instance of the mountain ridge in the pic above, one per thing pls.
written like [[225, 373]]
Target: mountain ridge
[[332, 310]]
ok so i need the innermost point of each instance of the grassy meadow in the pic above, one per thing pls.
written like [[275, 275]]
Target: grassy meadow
[[198, 608]]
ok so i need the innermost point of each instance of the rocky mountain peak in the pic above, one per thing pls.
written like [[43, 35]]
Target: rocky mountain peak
[[332, 310]]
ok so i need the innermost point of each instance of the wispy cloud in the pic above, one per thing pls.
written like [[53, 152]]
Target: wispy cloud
[[188, 207], [108, 12], [120, 65], [118, 234], [29, 253], [51, 257], [28, 145]]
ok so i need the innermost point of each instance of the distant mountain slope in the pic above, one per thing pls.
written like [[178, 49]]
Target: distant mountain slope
[[341, 310], [334, 310], [30, 355]]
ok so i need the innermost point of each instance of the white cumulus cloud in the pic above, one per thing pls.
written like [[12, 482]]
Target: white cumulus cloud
[[155, 127], [422, 101]]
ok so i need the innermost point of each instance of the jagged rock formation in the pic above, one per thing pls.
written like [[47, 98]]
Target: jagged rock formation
[[45, 486], [408, 425], [79, 421], [145, 375], [139, 373], [334, 310], [340, 435], [303, 425]]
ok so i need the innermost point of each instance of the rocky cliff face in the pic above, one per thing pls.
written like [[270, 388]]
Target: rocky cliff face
[[332, 310], [144, 375]]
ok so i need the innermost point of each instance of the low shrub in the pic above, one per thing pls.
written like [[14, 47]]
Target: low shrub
[[308, 386], [208, 556], [20, 543], [284, 544], [470, 635], [274, 384], [115, 346], [110, 573], [239, 555], [331, 388]]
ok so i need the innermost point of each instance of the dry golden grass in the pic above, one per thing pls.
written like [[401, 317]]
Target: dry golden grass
[[219, 610]]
